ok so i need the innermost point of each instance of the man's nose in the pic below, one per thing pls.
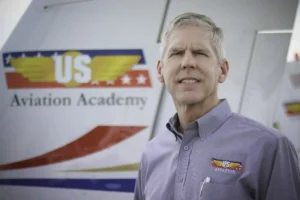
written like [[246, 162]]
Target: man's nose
[[188, 60]]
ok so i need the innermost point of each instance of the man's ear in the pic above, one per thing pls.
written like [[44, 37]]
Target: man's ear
[[159, 72], [224, 68]]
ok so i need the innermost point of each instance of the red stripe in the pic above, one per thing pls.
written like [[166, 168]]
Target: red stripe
[[96, 140], [17, 81]]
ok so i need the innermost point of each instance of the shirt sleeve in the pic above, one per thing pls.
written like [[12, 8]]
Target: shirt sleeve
[[284, 180], [139, 184]]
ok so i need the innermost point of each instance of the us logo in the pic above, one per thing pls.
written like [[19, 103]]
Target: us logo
[[76, 69], [226, 166]]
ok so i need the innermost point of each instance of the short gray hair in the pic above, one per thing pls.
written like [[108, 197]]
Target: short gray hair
[[200, 20]]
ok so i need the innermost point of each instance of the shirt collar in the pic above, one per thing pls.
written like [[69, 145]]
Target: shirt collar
[[206, 124]]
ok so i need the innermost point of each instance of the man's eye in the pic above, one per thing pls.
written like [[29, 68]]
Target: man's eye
[[176, 53], [200, 53]]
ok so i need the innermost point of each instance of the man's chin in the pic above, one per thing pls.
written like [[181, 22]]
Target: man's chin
[[189, 100]]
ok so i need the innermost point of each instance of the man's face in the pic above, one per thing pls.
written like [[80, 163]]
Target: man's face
[[189, 67]]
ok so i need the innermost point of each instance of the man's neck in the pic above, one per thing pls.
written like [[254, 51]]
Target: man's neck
[[190, 113]]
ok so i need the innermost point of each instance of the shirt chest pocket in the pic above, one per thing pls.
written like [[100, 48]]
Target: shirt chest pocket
[[216, 191]]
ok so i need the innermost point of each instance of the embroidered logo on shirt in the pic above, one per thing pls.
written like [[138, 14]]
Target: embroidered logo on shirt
[[226, 166]]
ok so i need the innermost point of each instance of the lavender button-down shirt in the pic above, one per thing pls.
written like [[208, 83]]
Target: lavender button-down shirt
[[221, 155]]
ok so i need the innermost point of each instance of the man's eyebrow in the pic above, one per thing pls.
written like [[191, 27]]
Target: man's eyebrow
[[176, 49], [200, 49]]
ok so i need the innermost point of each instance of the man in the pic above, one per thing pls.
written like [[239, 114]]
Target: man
[[208, 152]]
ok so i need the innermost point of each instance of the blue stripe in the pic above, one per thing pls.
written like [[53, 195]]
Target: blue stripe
[[114, 185], [91, 53]]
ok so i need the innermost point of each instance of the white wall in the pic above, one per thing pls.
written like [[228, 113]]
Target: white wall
[[295, 40], [10, 13], [264, 77]]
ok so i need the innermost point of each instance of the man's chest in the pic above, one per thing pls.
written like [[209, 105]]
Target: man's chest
[[182, 176]]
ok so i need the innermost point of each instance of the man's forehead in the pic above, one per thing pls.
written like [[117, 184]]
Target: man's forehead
[[194, 38]]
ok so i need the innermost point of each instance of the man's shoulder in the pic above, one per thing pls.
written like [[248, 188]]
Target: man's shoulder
[[160, 145], [163, 139], [256, 127], [259, 136]]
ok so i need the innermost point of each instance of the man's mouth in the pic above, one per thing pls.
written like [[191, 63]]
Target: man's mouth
[[189, 80]]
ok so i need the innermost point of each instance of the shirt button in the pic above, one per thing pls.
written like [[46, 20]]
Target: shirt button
[[186, 148], [180, 179]]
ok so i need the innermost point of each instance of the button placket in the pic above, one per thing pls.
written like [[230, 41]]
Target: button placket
[[182, 168], [183, 162]]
